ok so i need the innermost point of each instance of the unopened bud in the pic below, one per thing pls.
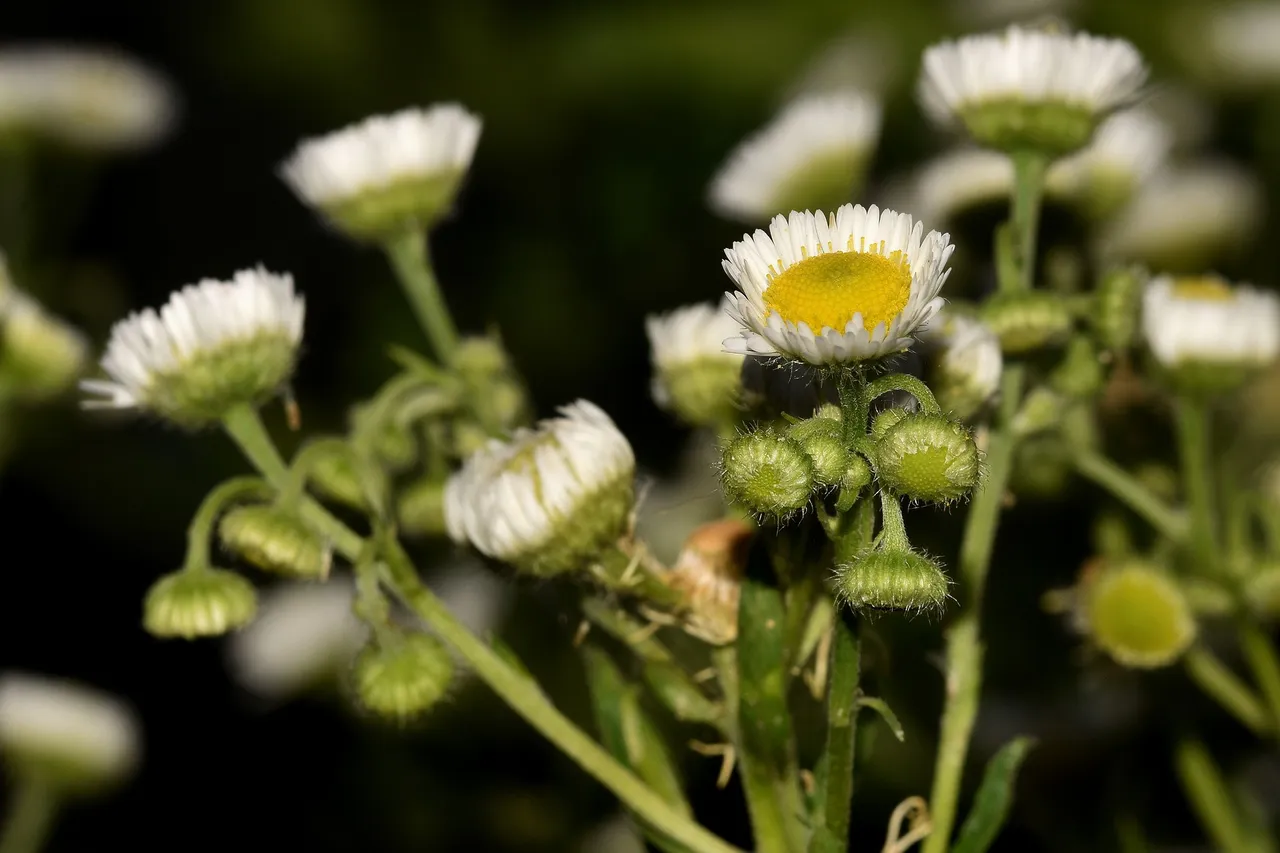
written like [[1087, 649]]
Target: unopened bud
[[768, 473], [1080, 373], [928, 458], [1139, 616], [857, 476], [420, 508], [1041, 411], [1117, 307], [823, 440], [403, 678], [198, 603], [469, 438], [709, 572], [276, 540], [887, 419], [892, 580], [40, 356], [333, 476], [1027, 320]]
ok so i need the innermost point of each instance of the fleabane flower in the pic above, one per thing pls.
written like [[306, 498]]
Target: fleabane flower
[[1027, 88], [813, 154], [1231, 44], [74, 737], [692, 374], [967, 362], [1208, 335], [961, 179], [386, 174], [828, 291], [88, 97], [551, 498], [214, 345], [1128, 149]]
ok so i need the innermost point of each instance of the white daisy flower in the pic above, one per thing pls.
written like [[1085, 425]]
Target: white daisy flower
[[811, 155], [76, 736], [692, 374], [1128, 149], [91, 97], [1186, 217], [304, 634], [1204, 322], [386, 173], [1032, 88], [852, 287], [968, 362], [549, 499], [214, 345], [961, 179]]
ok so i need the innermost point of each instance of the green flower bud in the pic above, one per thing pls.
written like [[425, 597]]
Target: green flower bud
[[395, 445], [692, 374], [857, 476], [496, 392], [403, 678], [823, 440], [198, 603], [1041, 411], [886, 419], [768, 473], [892, 580], [1080, 373], [40, 356], [1027, 320], [829, 411], [1139, 616], [480, 358], [332, 475], [276, 540], [928, 458], [1042, 467], [469, 438], [420, 508], [1118, 306]]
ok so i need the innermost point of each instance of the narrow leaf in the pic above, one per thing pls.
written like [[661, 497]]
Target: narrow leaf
[[995, 794], [886, 713]]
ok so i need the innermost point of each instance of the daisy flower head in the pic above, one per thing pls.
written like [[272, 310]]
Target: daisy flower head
[[1129, 148], [1025, 88], [967, 362], [389, 173], [551, 498], [813, 154], [959, 180], [827, 291], [693, 376], [214, 345]]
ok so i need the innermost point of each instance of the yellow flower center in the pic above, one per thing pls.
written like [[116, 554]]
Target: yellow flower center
[[829, 288], [1203, 287]]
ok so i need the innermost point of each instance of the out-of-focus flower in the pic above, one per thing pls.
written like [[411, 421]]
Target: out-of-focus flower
[[214, 345], [40, 355], [1138, 615], [854, 287], [960, 179], [993, 13], [386, 174], [812, 155], [693, 376], [1127, 150], [967, 362], [88, 97], [1231, 44]]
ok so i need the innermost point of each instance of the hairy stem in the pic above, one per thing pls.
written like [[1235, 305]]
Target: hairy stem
[[411, 259]]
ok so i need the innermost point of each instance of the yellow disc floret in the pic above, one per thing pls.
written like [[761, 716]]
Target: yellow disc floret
[[828, 289], [1203, 287]]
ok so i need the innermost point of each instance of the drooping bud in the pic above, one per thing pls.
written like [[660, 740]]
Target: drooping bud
[[709, 571], [823, 440], [692, 374], [40, 356], [967, 362], [404, 677], [1080, 373], [1117, 307], [332, 475], [1027, 320], [496, 392], [1139, 616], [420, 508], [276, 540], [1042, 467], [768, 473], [886, 419], [195, 603], [928, 458], [893, 580], [1041, 411]]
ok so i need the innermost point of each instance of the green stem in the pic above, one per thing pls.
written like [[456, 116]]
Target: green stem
[[515, 687], [903, 382], [1194, 446], [842, 725], [964, 648], [1028, 170], [30, 817], [893, 530], [411, 259], [1222, 685], [1265, 665], [1207, 791], [201, 529], [1129, 491]]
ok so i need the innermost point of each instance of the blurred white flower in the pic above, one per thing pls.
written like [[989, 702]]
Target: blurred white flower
[[1127, 150], [968, 361], [1238, 41], [692, 374], [960, 179], [1206, 321]]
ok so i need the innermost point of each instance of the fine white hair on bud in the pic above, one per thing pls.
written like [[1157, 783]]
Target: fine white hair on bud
[[74, 736], [387, 172], [551, 498], [214, 345], [928, 458], [769, 473]]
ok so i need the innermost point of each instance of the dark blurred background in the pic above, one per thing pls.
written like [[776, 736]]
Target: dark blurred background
[[584, 211]]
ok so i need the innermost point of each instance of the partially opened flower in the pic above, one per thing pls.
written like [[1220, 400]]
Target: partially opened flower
[[89, 97], [1027, 88], [550, 499], [1208, 334], [692, 374], [967, 362], [214, 345], [1128, 149], [811, 155], [69, 735], [386, 174], [827, 291]]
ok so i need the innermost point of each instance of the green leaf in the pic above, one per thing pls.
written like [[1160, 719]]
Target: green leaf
[[991, 804], [886, 713]]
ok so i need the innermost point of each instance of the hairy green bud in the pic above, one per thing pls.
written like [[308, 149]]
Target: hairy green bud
[[276, 540], [892, 580], [928, 458], [823, 440], [768, 473]]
